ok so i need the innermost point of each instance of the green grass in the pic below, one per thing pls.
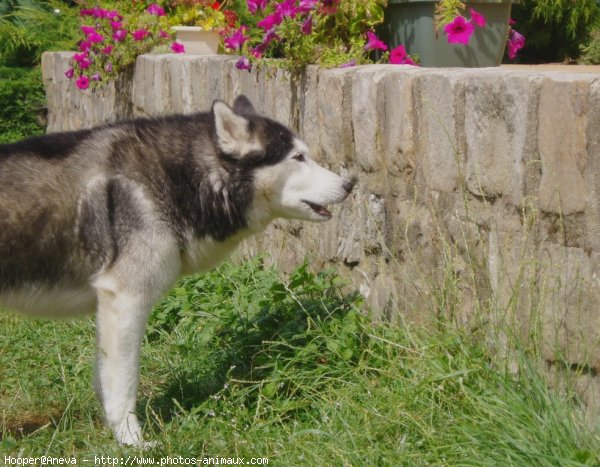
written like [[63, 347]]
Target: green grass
[[240, 363]]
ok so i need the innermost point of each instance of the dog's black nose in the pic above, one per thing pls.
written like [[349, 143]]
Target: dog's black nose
[[348, 185]]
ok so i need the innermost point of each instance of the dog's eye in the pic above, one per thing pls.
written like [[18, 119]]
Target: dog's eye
[[299, 157]]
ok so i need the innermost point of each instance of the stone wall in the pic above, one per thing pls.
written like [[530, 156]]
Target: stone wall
[[478, 195]]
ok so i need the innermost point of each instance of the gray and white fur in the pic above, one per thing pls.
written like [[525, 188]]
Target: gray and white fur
[[108, 219]]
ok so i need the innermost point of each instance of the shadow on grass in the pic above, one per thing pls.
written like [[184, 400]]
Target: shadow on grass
[[246, 347]]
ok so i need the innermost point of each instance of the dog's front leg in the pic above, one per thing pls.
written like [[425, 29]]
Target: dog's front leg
[[120, 323]]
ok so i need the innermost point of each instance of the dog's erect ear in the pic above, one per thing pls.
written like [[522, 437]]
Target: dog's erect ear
[[242, 105], [233, 135]]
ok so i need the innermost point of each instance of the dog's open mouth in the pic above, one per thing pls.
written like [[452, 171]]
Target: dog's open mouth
[[319, 209]]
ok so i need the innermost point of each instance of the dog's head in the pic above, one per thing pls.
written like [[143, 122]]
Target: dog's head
[[287, 182]]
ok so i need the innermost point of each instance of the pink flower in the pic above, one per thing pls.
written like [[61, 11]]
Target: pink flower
[[477, 18], [269, 36], [107, 50], [108, 68], [84, 46], [95, 38], [287, 9], [348, 64], [255, 5], [97, 77], [236, 40], [307, 26], [178, 48], [113, 15], [155, 10], [115, 25], [459, 31], [87, 30], [163, 34], [306, 5], [259, 50], [69, 73], [140, 34], [120, 35], [516, 42], [83, 82], [243, 64], [270, 21], [83, 61], [373, 42], [398, 56], [511, 21]]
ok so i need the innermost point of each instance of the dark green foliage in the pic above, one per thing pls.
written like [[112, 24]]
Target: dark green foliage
[[23, 99], [555, 29], [30, 28], [590, 53]]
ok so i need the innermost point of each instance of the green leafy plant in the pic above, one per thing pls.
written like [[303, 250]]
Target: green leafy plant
[[23, 98], [590, 53], [29, 28], [556, 29]]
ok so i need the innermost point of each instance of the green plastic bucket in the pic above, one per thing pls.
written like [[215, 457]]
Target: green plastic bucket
[[410, 23]]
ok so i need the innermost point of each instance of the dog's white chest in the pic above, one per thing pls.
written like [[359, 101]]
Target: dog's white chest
[[204, 254]]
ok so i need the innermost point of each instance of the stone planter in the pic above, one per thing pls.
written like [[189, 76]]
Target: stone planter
[[410, 23], [196, 40]]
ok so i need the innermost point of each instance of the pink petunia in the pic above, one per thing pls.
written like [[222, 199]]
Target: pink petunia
[[163, 34], [95, 38], [236, 40], [116, 25], [83, 60], [155, 10], [305, 6], [516, 42], [287, 9], [83, 82], [243, 64], [269, 36], [84, 46], [140, 34], [348, 64], [270, 21], [459, 31], [87, 30], [113, 15], [108, 49], [120, 35], [373, 42], [109, 67], [69, 73], [178, 48], [255, 5], [477, 18], [398, 56], [96, 77], [307, 26]]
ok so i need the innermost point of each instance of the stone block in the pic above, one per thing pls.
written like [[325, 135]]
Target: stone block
[[368, 117], [308, 113], [497, 130], [569, 281], [592, 173], [398, 123], [439, 98], [562, 145], [335, 115]]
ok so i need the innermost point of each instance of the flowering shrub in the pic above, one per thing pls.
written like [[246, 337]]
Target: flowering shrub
[[324, 32], [458, 30], [111, 39]]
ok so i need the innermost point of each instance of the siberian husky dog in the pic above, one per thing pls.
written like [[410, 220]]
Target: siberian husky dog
[[107, 219]]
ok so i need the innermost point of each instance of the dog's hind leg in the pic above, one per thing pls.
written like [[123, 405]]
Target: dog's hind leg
[[142, 261]]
